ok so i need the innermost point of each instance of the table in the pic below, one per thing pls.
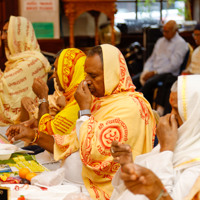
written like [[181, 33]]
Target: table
[[74, 8]]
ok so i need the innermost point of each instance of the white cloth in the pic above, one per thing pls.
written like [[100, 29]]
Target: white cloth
[[59, 192], [177, 170], [177, 182], [194, 66], [167, 55]]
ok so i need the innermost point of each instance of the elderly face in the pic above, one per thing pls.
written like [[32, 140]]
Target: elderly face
[[95, 77], [173, 100], [169, 30], [56, 75], [196, 35], [4, 35]]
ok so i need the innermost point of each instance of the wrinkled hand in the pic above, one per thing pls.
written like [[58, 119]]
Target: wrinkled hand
[[40, 88], [29, 104], [148, 75], [20, 132], [167, 132], [83, 96], [140, 180], [61, 102], [121, 153]]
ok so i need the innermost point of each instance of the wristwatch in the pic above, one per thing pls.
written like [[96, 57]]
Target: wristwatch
[[40, 101], [84, 112]]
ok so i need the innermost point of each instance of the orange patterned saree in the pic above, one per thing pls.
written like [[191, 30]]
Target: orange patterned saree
[[70, 71], [123, 115]]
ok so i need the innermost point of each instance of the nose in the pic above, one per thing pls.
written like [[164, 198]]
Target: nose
[[3, 35]]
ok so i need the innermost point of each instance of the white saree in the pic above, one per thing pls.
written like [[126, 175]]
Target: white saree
[[177, 170]]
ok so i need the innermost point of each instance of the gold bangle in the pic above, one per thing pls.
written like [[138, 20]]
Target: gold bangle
[[36, 137]]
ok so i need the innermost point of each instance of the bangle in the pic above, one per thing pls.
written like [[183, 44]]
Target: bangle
[[37, 135], [163, 193]]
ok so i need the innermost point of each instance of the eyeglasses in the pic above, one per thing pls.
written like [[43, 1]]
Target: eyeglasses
[[195, 35], [3, 32]]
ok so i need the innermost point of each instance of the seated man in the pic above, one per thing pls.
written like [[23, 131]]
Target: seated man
[[167, 57], [110, 109], [175, 160], [25, 62], [163, 106]]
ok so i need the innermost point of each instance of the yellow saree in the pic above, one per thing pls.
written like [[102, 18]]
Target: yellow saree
[[25, 62], [123, 115], [70, 71]]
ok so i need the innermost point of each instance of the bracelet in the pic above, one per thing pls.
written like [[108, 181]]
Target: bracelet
[[40, 101], [36, 138], [163, 193]]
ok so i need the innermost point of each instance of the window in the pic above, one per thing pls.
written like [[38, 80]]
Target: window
[[139, 13]]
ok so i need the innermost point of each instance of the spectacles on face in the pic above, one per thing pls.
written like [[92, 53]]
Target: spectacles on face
[[3, 32], [195, 34]]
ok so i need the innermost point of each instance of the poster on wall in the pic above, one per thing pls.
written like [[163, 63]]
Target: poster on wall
[[44, 15]]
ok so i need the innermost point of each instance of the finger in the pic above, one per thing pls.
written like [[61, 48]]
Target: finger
[[28, 123], [128, 177], [115, 143], [174, 122], [85, 87]]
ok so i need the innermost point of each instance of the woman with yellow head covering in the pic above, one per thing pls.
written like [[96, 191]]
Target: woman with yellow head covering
[[54, 134], [25, 62], [117, 113]]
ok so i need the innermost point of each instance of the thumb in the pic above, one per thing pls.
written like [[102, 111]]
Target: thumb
[[28, 123]]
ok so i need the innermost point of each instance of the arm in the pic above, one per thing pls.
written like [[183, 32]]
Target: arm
[[41, 89], [148, 66], [26, 134]]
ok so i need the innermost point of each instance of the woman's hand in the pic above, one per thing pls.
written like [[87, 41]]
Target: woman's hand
[[20, 132], [29, 105], [121, 153], [167, 132], [83, 96], [61, 102], [140, 180], [40, 88]]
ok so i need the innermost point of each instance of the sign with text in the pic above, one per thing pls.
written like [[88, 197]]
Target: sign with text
[[39, 5], [42, 11]]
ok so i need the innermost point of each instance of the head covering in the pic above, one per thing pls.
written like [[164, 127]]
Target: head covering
[[25, 62], [122, 115], [116, 78], [197, 27], [187, 152], [70, 72]]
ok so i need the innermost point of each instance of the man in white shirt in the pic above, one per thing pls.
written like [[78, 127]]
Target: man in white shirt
[[167, 57]]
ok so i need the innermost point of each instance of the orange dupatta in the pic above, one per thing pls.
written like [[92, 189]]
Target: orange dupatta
[[123, 115], [70, 71]]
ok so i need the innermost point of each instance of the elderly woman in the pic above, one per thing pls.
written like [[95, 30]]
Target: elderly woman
[[110, 109], [175, 160], [24, 63]]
